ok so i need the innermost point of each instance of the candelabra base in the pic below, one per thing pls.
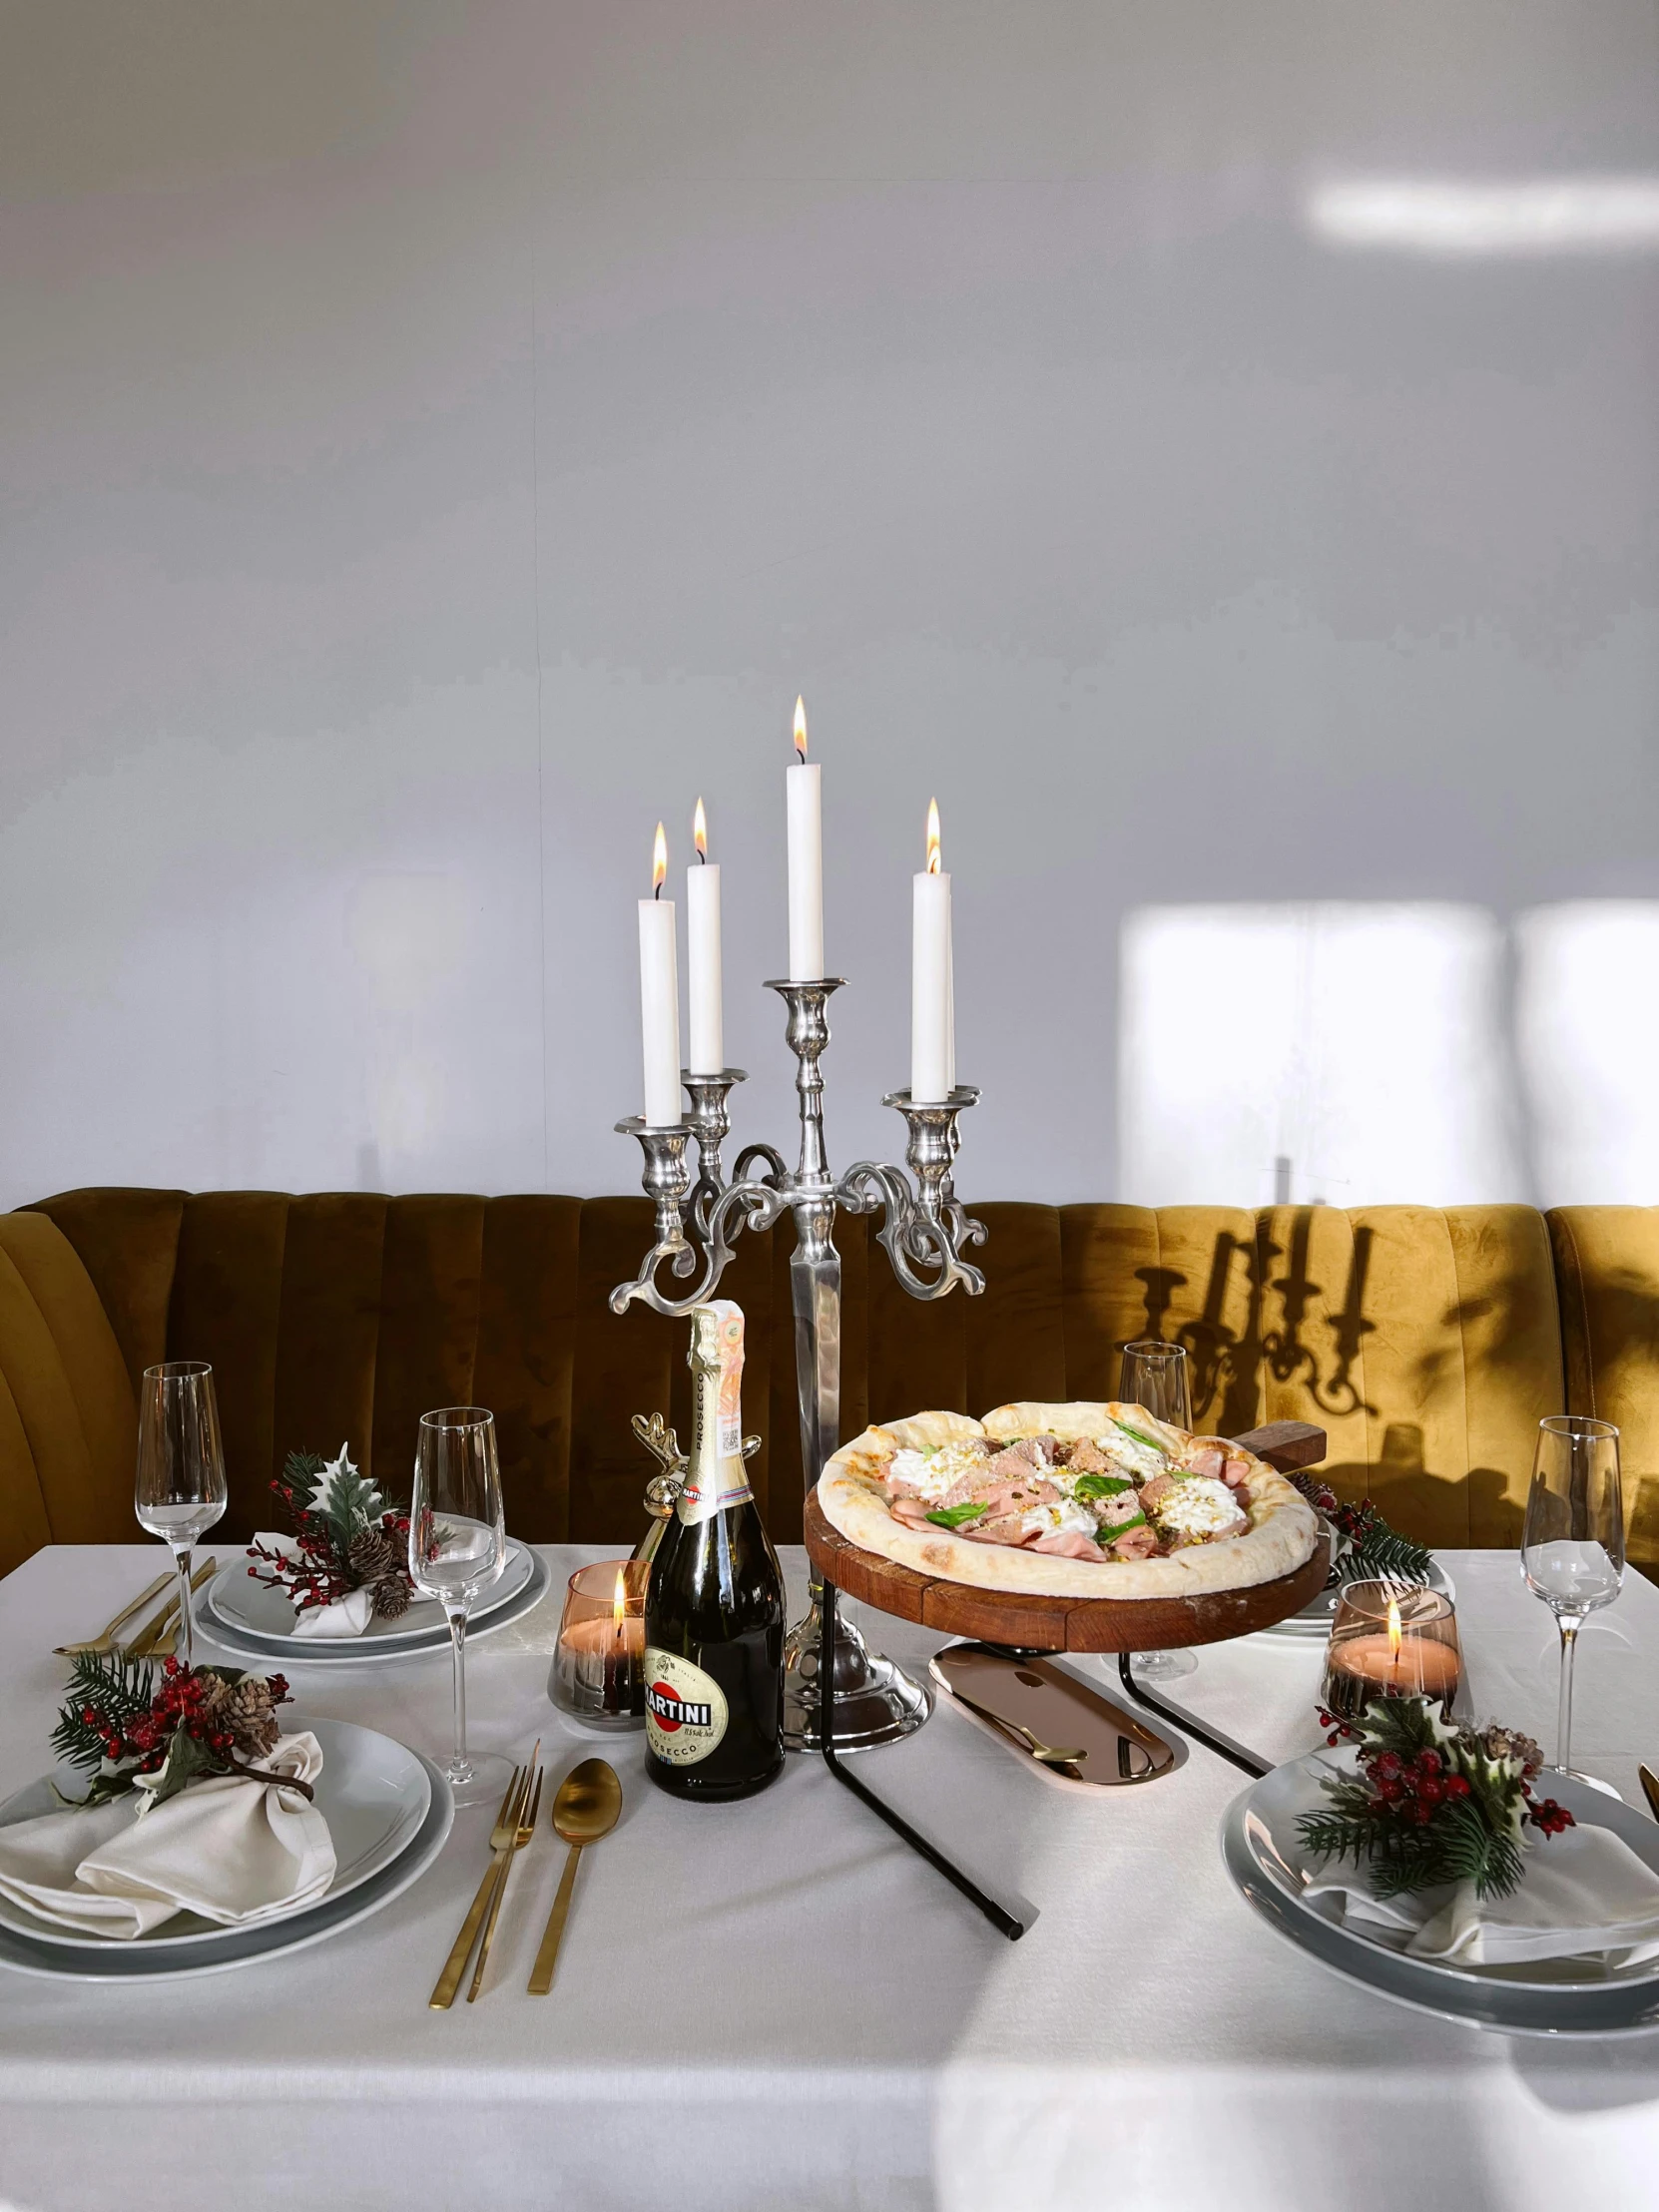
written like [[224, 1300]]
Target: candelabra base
[[876, 1701]]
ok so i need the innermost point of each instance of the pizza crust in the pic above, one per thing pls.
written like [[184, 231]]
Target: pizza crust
[[1283, 1532]]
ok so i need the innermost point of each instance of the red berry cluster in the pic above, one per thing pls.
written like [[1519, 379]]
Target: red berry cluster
[[181, 1702], [1411, 1789], [1548, 1816]]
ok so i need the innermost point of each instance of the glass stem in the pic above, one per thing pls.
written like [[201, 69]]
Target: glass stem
[[1569, 1625], [183, 1642], [460, 1768]]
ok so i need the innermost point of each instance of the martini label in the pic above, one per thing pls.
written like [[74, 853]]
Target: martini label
[[685, 1709]]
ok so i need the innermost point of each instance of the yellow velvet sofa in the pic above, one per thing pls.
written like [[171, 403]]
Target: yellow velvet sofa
[[1426, 1343]]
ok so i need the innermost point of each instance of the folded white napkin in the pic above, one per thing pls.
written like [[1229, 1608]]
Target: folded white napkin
[[1584, 1893], [347, 1616], [236, 1852]]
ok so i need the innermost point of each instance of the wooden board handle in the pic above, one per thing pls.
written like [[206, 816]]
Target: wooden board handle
[[1286, 1444]]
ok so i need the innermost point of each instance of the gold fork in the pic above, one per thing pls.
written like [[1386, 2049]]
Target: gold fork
[[105, 1642], [526, 1829], [503, 1838]]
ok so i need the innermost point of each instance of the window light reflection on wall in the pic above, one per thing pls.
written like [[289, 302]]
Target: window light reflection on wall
[[1463, 217], [1340, 1051]]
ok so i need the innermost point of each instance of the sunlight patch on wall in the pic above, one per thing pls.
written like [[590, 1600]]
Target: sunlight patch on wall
[[1348, 1052], [1456, 218], [1588, 1047]]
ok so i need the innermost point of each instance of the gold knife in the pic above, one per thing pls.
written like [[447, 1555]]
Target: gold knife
[[106, 1639], [503, 1840], [525, 1831], [1650, 1789]]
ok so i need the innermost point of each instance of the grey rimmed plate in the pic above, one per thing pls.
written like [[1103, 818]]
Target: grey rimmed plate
[[332, 1915], [262, 1615], [291, 1653], [1551, 1997], [374, 1792]]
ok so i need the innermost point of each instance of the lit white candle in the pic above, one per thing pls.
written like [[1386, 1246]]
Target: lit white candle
[[805, 861], [708, 1027], [660, 997], [933, 1016]]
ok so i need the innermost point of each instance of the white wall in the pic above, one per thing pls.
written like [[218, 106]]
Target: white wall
[[434, 441]]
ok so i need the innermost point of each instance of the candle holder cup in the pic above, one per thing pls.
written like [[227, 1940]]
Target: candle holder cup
[[1391, 1640], [598, 1672]]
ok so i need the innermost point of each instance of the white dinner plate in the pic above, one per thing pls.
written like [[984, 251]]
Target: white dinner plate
[[374, 1792], [262, 1615], [290, 1654], [1313, 1623], [141, 1962], [1563, 1997]]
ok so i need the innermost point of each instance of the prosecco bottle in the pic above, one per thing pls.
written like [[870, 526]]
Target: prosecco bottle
[[714, 1607]]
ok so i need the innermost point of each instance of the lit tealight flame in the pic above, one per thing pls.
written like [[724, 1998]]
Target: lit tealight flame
[[619, 1606], [800, 727], [932, 837], [699, 831], [1393, 1634], [659, 863]]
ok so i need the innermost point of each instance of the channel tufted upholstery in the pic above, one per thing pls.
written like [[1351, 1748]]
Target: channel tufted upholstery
[[1426, 1343]]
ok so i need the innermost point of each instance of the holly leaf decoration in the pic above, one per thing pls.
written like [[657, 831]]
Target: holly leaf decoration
[[187, 1759], [346, 1501]]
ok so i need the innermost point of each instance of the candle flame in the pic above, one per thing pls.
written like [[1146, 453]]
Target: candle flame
[[1393, 1632], [932, 837], [699, 831], [659, 861], [800, 727], [619, 1604]]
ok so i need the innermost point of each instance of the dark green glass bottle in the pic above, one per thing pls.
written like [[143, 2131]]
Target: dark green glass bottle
[[714, 1609]]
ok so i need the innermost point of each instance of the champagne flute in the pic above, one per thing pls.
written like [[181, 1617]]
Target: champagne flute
[[457, 1549], [1572, 1542], [1155, 1375], [179, 1492]]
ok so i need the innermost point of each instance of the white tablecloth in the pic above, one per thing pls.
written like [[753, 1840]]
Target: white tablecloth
[[775, 2006]]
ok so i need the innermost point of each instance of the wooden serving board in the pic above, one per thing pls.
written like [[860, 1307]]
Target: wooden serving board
[[1079, 1623]]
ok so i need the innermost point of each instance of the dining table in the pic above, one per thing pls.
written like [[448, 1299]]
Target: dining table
[[775, 2006]]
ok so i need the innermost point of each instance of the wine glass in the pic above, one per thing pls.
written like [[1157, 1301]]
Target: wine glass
[[1573, 1544], [1155, 1375], [179, 1490], [457, 1549]]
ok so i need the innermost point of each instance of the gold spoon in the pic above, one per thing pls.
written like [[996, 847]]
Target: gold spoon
[[586, 1808]]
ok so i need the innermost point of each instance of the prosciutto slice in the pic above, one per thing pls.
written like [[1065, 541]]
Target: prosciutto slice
[[1068, 1545]]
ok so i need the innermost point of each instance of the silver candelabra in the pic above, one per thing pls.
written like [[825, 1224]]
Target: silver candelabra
[[926, 1232]]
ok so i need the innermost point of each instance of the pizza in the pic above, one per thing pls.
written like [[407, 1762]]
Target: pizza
[[1088, 1499]]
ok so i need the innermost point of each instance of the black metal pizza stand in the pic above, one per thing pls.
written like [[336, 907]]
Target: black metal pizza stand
[[1019, 1623]]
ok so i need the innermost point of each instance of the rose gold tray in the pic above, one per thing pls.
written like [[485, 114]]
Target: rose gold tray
[[990, 1686]]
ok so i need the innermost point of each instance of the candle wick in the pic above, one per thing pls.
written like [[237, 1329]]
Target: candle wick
[[702, 858], [656, 890]]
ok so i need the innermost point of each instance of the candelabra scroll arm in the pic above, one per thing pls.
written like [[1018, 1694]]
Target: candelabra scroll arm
[[915, 1236], [777, 1172], [740, 1206]]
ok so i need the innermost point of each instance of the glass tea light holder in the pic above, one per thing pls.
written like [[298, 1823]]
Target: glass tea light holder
[[599, 1666], [1389, 1640]]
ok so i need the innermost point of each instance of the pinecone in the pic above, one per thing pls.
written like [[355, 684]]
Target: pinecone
[[372, 1555], [391, 1597], [247, 1710]]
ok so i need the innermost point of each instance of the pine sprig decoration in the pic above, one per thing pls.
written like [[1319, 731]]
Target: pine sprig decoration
[[1371, 1548], [107, 1692], [134, 1727], [1431, 1804]]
